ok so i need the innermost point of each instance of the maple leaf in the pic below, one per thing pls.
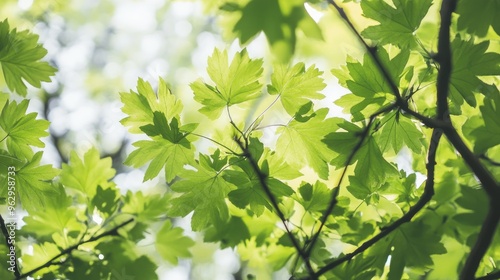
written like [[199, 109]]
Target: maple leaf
[[470, 61], [235, 83], [87, 173], [397, 24], [296, 86], [171, 244], [300, 142], [204, 192], [478, 18], [278, 20], [34, 183], [370, 90], [22, 130], [20, 56], [488, 135], [58, 215], [169, 149], [411, 245], [140, 106], [399, 131]]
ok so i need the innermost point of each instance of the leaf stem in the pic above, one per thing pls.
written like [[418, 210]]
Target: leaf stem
[[262, 113], [217, 142], [234, 124], [4, 137]]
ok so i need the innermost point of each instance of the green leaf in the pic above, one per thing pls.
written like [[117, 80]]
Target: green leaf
[[371, 170], [146, 208], [411, 245], [58, 216], [171, 244], [230, 234], [469, 61], [40, 255], [398, 23], [279, 21], [476, 18], [34, 183], [169, 149], [296, 85], [106, 200], [204, 192], [139, 106], [235, 83], [399, 131], [315, 197], [85, 174], [300, 142], [20, 56], [22, 130], [370, 91], [488, 135]]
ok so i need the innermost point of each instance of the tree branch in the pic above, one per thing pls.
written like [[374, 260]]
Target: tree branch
[[263, 182], [483, 241], [67, 251], [335, 192], [490, 276], [424, 199], [5, 233]]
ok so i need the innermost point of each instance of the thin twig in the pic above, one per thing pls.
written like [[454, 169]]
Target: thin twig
[[263, 182], [489, 160], [216, 142], [67, 251], [424, 199], [247, 131], [335, 192], [5, 233]]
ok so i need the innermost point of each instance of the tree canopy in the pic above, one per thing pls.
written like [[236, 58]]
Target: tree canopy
[[303, 139]]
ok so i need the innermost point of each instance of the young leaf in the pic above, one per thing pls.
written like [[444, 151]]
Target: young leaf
[[469, 61], [20, 56], [411, 245], [58, 216], [278, 20], [370, 91], [234, 83], [397, 24], [204, 192], [398, 131], [488, 136], [476, 18], [314, 197], [33, 183], [22, 130], [300, 142], [296, 86], [172, 244], [139, 106], [169, 148], [87, 173]]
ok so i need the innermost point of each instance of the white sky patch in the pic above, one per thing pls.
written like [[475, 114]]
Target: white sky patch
[[315, 14], [135, 16], [24, 4]]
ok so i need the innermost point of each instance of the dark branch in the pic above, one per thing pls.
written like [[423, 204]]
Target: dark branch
[[335, 192], [490, 276], [5, 233], [274, 203], [424, 199], [67, 251], [489, 160], [483, 242]]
